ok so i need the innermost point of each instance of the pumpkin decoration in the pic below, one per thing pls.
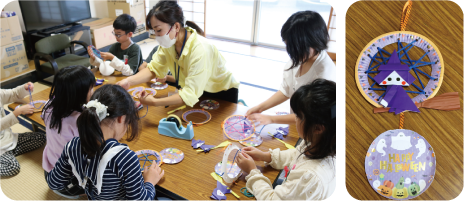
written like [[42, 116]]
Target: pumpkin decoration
[[385, 191], [414, 189], [400, 193], [389, 184]]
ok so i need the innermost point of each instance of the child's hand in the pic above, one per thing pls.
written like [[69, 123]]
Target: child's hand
[[146, 98], [107, 56], [253, 110], [261, 118], [124, 84], [152, 174], [257, 154], [25, 109], [245, 162], [162, 80], [90, 52], [28, 86]]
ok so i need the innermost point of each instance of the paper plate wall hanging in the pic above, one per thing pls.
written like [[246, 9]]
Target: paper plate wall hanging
[[209, 104], [230, 174], [232, 169], [201, 111], [172, 155], [38, 104], [400, 164], [238, 127], [159, 86], [147, 157], [254, 141]]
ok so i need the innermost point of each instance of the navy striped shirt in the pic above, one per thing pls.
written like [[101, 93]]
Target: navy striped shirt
[[122, 178]]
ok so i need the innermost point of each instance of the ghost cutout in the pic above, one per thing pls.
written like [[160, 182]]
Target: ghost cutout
[[421, 146], [376, 184], [220, 191], [380, 145], [407, 181], [401, 142], [395, 75], [422, 185]]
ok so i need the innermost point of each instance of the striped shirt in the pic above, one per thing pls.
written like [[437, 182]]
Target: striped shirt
[[122, 177]]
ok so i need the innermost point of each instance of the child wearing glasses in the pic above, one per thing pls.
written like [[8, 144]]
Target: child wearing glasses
[[125, 55]]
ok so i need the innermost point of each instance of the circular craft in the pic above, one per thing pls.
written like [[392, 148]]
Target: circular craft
[[400, 164], [207, 114], [35, 103], [159, 86], [150, 90], [233, 170], [427, 69], [147, 156], [172, 155], [238, 127], [227, 176], [209, 104], [254, 141]]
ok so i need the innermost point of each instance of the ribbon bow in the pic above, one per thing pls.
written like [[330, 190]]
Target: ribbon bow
[[447, 101]]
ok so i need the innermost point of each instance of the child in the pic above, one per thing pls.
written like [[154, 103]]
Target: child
[[105, 168], [14, 144], [125, 56], [311, 166], [71, 88], [305, 34]]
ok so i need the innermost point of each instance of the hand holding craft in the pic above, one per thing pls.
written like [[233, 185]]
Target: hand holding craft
[[107, 56], [261, 118], [145, 98], [152, 174], [90, 52], [257, 154], [29, 86], [253, 110], [245, 162], [25, 109]]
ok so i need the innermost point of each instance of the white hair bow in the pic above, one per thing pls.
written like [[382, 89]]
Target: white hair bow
[[99, 107]]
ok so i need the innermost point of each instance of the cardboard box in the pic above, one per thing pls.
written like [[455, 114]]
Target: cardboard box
[[102, 32], [137, 10], [14, 59], [10, 30]]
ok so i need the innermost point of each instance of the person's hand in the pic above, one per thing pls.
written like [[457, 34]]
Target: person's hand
[[90, 52], [261, 118], [146, 98], [253, 110], [107, 56], [152, 174], [28, 86], [124, 84], [24, 109], [162, 80], [245, 162], [257, 154]]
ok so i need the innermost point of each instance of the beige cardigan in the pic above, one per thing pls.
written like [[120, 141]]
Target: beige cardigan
[[8, 139], [310, 180]]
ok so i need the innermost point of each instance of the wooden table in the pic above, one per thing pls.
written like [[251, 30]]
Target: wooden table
[[441, 22], [189, 179]]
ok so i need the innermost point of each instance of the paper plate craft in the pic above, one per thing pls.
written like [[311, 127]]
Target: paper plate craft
[[95, 51], [207, 114], [232, 170], [38, 104], [400, 164], [238, 127], [254, 141], [207, 148], [140, 89], [197, 143], [209, 104], [159, 86], [227, 175], [220, 191], [172, 155], [150, 156]]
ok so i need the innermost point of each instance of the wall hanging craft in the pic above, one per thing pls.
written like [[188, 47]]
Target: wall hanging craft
[[201, 111], [209, 104], [148, 156], [172, 155], [238, 127], [232, 172], [34, 103], [159, 85], [400, 164]]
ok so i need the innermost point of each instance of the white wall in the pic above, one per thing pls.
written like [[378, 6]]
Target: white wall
[[14, 6]]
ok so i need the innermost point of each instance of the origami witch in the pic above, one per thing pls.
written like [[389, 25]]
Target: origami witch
[[396, 75]]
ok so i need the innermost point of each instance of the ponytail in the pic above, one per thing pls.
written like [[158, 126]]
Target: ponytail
[[90, 133], [196, 27]]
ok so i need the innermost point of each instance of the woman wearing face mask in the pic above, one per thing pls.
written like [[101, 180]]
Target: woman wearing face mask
[[196, 64]]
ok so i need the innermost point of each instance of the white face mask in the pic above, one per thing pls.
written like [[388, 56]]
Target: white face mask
[[165, 41]]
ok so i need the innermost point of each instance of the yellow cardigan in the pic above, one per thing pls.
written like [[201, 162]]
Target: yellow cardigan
[[202, 68]]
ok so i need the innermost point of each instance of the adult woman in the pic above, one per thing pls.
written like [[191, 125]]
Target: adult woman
[[198, 67]]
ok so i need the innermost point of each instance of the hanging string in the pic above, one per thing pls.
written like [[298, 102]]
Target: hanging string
[[405, 15], [245, 192], [30, 99], [401, 120]]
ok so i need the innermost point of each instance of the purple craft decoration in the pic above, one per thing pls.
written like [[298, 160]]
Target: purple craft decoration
[[396, 75], [281, 132], [206, 148], [197, 143], [99, 82], [220, 191]]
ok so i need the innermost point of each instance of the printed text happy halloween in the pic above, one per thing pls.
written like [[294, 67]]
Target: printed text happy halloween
[[402, 163]]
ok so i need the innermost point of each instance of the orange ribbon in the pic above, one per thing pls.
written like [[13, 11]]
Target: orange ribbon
[[447, 101], [405, 15]]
